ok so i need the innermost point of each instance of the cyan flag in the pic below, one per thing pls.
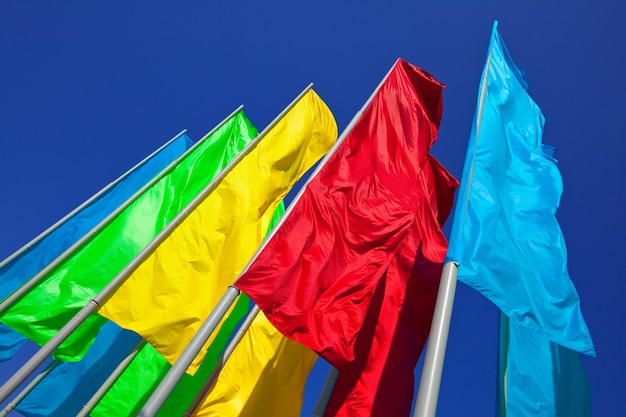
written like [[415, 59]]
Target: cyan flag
[[45, 250], [505, 237], [537, 377]]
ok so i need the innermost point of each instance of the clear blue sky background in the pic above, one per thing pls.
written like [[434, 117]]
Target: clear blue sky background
[[87, 89]]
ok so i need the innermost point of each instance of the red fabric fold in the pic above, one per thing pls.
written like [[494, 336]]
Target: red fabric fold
[[368, 219]]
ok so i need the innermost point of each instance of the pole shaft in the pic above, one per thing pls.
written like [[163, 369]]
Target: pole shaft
[[322, 401], [19, 397], [83, 205], [97, 396], [36, 360], [319, 167], [40, 356], [430, 382], [160, 394], [222, 361]]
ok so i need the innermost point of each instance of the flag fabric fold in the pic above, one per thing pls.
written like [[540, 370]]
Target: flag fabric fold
[[374, 198], [45, 250], [265, 376], [191, 269], [505, 237], [537, 377], [145, 372], [68, 287], [70, 385]]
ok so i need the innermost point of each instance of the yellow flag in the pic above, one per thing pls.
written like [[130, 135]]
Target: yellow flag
[[265, 376], [171, 293]]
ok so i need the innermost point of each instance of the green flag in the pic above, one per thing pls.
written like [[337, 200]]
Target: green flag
[[67, 288]]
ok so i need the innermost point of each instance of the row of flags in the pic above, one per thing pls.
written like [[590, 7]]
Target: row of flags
[[127, 292]]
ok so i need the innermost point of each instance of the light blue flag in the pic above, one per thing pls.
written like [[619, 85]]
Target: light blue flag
[[69, 386], [505, 237], [23, 267], [538, 377]]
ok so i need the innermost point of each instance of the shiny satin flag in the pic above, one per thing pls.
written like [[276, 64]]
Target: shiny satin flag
[[66, 289], [537, 377], [505, 236], [184, 278], [316, 277], [48, 248], [265, 376]]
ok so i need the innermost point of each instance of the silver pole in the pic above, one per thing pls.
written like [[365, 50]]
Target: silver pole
[[19, 397], [97, 396], [322, 401], [319, 167], [428, 393], [83, 205], [93, 304], [168, 383], [28, 285], [208, 385], [158, 397]]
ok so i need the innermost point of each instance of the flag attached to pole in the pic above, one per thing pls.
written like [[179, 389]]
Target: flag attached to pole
[[505, 236], [37, 254], [380, 191], [69, 286], [186, 274]]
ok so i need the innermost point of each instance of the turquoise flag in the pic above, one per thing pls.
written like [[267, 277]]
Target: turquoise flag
[[538, 377], [69, 386], [505, 237], [23, 267]]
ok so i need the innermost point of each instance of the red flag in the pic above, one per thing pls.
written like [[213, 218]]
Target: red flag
[[379, 382], [316, 277]]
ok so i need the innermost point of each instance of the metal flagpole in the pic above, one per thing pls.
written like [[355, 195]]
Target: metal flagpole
[[83, 205], [97, 396], [28, 285], [222, 361], [178, 369], [93, 304], [170, 380], [19, 397], [322, 401], [428, 393]]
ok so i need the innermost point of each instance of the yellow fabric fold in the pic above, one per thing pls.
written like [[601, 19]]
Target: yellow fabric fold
[[171, 293], [265, 376]]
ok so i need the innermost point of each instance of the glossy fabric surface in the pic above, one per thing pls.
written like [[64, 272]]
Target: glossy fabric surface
[[69, 386], [66, 289], [136, 384], [189, 272], [47, 249], [505, 236], [539, 378], [316, 278], [73, 383], [265, 376]]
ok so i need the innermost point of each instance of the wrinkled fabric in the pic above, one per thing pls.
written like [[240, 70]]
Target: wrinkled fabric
[[69, 286], [48, 248], [379, 382], [354, 271], [505, 236], [316, 277], [133, 388], [265, 376], [537, 377], [189, 272], [70, 385]]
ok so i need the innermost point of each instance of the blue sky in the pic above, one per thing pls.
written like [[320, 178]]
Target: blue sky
[[88, 89]]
